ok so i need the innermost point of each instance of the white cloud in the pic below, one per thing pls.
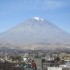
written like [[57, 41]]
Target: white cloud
[[53, 4], [34, 4], [41, 4]]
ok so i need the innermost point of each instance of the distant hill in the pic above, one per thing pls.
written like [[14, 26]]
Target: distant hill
[[35, 33]]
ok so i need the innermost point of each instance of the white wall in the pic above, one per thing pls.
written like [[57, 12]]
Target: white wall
[[54, 68]]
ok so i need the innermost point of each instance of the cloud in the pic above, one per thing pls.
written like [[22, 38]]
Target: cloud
[[33, 4], [41, 4], [53, 4]]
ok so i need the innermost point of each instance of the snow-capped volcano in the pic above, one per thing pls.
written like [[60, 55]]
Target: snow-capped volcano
[[35, 33]]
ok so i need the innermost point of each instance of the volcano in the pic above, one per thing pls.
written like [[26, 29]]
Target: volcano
[[35, 33]]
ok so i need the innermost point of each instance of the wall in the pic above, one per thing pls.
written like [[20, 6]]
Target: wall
[[58, 68], [54, 68]]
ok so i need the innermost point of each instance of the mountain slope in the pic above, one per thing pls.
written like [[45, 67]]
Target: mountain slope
[[35, 31]]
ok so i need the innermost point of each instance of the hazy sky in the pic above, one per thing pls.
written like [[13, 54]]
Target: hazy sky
[[13, 12]]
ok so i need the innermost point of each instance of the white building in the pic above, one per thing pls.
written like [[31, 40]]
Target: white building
[[58, 68]]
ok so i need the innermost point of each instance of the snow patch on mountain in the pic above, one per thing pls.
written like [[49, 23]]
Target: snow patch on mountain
[[38, 18]]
